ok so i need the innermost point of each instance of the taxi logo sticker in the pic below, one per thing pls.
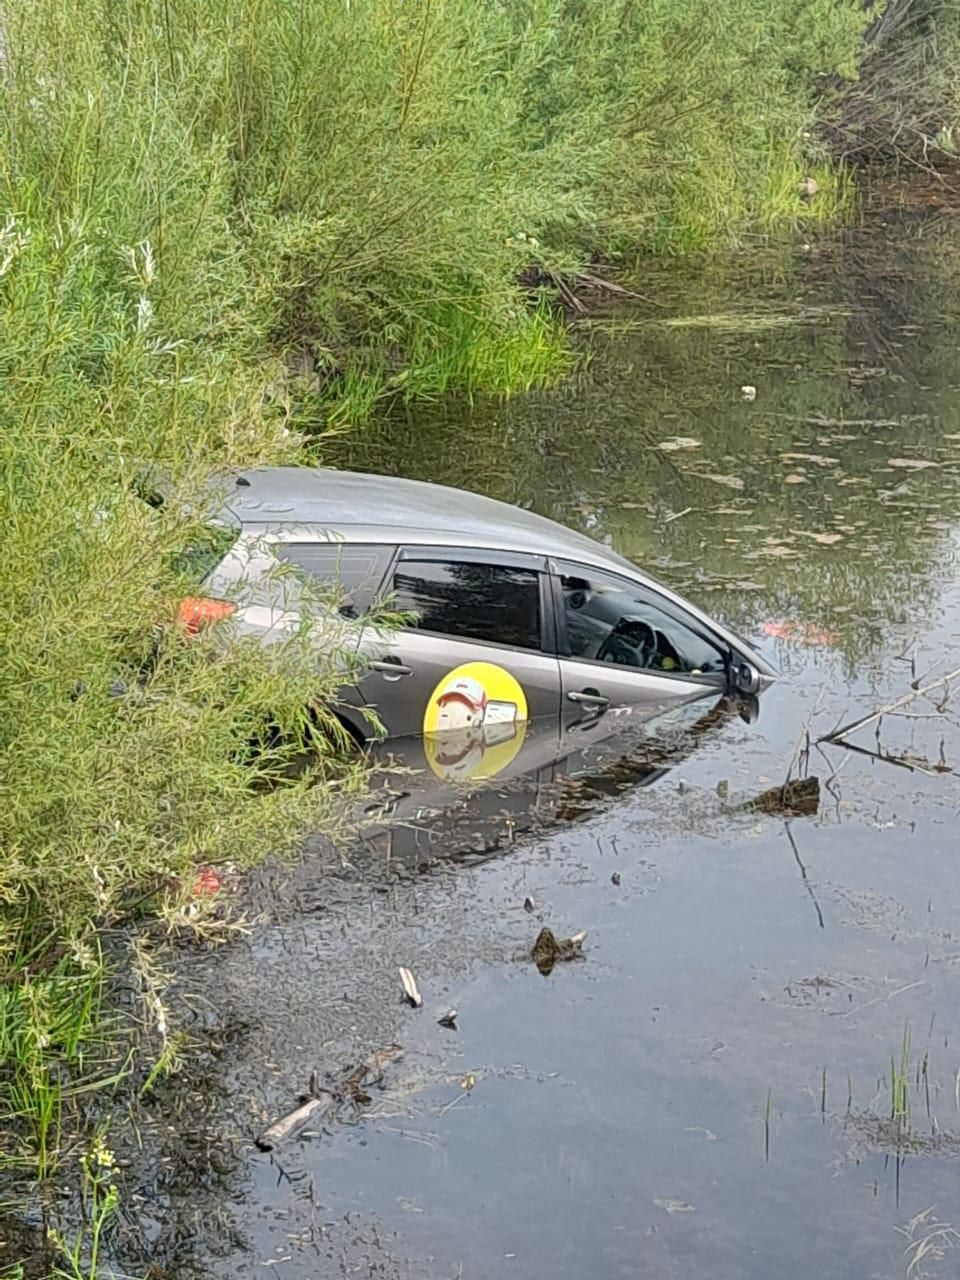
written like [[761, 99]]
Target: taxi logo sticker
[[475, 722]]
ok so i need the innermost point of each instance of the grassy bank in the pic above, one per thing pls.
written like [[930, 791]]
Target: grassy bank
[[224, 225]]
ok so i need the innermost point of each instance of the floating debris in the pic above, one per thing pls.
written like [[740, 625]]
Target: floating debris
[[293, 1122], [731, 482], [548, 949], [799, 797], [529, 904], [449, 1020], [349, 1089], [675, 1206], [678, 442], [410, 989], [825, 538], [615, 878], [748, 392], [911, 464], [207, 883]]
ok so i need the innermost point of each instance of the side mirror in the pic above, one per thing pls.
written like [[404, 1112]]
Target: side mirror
[[746, 677]]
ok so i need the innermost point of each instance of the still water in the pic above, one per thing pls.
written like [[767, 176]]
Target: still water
[[755, 1070]]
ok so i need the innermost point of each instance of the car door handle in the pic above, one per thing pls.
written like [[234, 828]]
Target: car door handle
[[589, 698], [390, 670]]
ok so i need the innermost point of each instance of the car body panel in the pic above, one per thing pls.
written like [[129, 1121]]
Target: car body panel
[[432, 667], [479, 695], [596, 694]]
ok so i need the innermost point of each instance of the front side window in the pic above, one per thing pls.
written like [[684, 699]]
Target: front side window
[[485, 602], [610, 619], [351, 571]]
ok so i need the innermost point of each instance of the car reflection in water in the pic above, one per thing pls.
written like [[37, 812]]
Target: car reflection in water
[[468, 794]]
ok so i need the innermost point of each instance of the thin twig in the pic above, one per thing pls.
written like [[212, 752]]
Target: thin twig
[[804, 738], [448, 1106], [931, 771], [803, 874], [677, 515], [836, 734], [598, 282], [569, 297], [408, 95]]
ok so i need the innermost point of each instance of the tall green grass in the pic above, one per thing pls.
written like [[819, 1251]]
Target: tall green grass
[[344, 180], [105, 797]]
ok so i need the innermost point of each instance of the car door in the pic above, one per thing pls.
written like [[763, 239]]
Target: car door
[[476, 662], [626, 653]]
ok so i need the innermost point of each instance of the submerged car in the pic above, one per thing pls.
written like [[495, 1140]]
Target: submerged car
[[512, 623]]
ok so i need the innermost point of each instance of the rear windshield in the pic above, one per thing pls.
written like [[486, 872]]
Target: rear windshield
[[198, 558]]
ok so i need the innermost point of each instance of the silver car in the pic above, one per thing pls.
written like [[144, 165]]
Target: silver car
[[517, 627]]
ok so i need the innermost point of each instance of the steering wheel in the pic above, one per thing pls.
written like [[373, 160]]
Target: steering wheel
[[631, 643]]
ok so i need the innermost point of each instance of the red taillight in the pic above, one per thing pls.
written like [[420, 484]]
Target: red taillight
[[196, 612]]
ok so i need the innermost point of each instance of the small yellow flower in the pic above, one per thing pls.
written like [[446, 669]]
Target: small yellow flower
[[100, 1154]]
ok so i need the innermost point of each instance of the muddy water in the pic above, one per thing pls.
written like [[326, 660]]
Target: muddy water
[[709, 1092]]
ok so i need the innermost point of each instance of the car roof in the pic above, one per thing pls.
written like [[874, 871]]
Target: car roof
[[374, 508]]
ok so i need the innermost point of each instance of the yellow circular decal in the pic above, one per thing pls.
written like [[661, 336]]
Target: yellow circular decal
[[475, 722]]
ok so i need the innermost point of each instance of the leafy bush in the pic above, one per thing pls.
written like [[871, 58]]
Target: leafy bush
[[102, 795]]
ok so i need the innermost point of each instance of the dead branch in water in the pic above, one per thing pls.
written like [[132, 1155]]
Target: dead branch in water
[[837, 735], [588, 280], [349, 1089], [294, 1121]]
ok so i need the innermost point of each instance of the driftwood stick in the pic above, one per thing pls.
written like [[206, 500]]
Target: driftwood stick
[[835, 735], [293, 1121], [598, 282], [915, 766], [569, 297], [346, 1090]]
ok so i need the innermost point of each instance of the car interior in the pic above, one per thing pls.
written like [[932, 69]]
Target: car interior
[[612, 624]]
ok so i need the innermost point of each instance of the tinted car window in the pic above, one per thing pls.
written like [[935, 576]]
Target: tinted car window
[[476, 601], [610, 619], [354, 570]]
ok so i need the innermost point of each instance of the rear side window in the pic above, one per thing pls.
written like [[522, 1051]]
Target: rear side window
[[354, 571], [485, 602], [198, 558]]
